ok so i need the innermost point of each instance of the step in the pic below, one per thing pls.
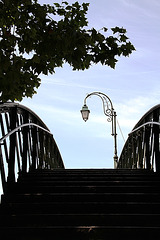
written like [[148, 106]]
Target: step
[[37, 220], [90, 197], [84, 207], [91, 172], [86, 189], [81, 232], [112, 182], [82, 177]]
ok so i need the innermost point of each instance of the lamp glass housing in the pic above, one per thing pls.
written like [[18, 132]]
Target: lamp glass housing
[[85, 112]]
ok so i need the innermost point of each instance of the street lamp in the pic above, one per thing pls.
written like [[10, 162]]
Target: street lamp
[[111, 117]]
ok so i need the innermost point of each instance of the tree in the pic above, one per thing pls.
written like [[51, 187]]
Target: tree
[[36, 39]]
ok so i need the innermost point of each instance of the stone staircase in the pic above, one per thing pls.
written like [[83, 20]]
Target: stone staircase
[[82, 204]]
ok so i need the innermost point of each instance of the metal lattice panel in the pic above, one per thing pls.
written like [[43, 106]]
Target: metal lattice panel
[[25, 143], [142, 148]]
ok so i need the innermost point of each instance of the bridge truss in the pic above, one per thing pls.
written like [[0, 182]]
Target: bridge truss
[[26, 144], [142, 148]]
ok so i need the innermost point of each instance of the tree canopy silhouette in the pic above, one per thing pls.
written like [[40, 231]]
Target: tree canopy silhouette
[[35, 39]]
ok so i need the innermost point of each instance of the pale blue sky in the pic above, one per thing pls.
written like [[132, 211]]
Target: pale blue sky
[[133, 87]]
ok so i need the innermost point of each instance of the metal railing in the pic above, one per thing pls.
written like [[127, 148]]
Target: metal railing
[[142, 148], [26, 144]]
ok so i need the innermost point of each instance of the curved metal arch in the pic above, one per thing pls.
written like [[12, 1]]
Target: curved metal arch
[[142, 148], [146, 115], [5, 107]]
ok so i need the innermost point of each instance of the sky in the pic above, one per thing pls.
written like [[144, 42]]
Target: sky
[[133, 87]]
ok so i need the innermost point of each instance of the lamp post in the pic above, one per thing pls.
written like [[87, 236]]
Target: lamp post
[[111, 117]]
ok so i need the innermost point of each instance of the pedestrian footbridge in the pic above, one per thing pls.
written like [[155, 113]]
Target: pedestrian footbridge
[[42, 200]]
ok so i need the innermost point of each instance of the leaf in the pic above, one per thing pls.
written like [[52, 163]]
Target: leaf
[[118, 30], [85, 6], [105, 29], [66, 3], [123, 38], [57, 5], [36, 59]]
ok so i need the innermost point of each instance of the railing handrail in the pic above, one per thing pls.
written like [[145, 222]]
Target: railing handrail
[[143, 125], [22, 126], [145, 116]]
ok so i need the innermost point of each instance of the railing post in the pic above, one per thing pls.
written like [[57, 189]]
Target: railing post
[[41, 150], [156, 133], [140, 150], [11, 162], [34, 148], [3, 177], [147, 147], [25, 143], [156, 148]]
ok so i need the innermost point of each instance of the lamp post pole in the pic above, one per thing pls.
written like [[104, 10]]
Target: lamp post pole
[[111, 117]]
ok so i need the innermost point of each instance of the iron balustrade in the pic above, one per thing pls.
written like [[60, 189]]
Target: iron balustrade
[[26, 144], [142, 148]]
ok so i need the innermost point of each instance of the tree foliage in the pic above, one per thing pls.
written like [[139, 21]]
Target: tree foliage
[[36, 39]]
